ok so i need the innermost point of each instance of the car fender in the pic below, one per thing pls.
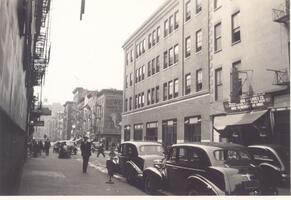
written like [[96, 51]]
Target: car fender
[[205, 182], [269, 166], [132, 166], [156, 173]]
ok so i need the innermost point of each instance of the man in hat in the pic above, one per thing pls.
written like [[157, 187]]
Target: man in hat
[[86, 152]]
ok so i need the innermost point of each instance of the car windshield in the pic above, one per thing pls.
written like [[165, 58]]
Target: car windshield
[[151, 150], [232, 156]]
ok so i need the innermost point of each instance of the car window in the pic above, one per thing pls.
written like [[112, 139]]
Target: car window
[[172, 154], [151, 150], [131, 150], [192, 158], [264, 156], [232, 157], [123, 149]]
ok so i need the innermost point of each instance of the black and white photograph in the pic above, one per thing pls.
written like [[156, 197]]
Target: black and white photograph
[[143, 98]]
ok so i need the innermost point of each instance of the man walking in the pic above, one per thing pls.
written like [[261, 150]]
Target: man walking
[[86, 152], [101, 150], [47, 145]]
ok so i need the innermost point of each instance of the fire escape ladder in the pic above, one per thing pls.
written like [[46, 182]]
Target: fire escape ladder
[[281, 77], [282, 13]]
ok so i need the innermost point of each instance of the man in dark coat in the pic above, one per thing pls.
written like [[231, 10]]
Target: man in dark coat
[[47, 145], [86, 152]]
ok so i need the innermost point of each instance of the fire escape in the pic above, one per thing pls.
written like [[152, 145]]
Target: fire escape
[[282, 15], [41, 55]]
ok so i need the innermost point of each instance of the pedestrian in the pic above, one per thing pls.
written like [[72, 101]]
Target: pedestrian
[[34, 148], [101, 150], [111, 164], [86, 152], [47, 145], [39, 147]]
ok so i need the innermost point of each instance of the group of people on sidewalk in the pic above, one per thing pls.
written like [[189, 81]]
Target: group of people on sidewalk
[[35, 147]]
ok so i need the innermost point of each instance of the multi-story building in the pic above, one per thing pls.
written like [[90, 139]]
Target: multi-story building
[[23, 61], [193, 61], [69, 126], [108, 112]]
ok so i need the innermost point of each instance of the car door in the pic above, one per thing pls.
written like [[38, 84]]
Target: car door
[[123, 157]]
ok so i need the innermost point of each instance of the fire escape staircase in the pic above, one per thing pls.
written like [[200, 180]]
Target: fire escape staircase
[[282, 14]]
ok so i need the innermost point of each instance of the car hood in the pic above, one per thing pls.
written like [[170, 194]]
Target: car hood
[[149, 159]]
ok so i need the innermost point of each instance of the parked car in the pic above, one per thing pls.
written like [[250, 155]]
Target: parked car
[[134, 157], [275, 162], [207, 169], [64, 151]]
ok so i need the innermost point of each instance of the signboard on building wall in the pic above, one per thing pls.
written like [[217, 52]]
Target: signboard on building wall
[[256, 102]]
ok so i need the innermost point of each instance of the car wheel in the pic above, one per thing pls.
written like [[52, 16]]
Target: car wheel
[[149, 184], [129, 176]]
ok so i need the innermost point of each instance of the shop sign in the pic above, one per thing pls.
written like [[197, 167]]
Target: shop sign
[[256, 102], [38, 123]]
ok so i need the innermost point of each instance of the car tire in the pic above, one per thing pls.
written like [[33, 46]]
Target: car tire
[[129, 176], [149, 184]]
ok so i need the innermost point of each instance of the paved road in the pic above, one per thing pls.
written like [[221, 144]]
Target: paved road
[[53, 176]]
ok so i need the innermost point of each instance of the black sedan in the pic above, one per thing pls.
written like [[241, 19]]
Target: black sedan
[[275, 162], [207, 169], [134, 157]]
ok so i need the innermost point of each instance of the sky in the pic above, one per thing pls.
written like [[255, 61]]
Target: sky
[[89, 53]]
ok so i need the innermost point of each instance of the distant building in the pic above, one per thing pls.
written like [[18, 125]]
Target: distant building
[[69, 116], [109, 109]]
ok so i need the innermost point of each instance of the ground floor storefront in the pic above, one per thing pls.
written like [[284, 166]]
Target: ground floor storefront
[[176, 122]]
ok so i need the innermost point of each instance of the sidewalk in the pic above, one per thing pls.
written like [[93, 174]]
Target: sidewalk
[[53, 176]]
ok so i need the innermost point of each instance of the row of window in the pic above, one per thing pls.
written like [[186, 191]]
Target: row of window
[[198, 43], [192, 131], [171, 89], [188, 8], [171, 56], [154, 66], [171, 24], [154, 37], [139, 74]]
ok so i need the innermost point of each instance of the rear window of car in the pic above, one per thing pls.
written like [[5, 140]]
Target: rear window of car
[[151, 150], [231, 155]]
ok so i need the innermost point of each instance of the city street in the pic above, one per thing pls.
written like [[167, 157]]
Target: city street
[[53, 176]]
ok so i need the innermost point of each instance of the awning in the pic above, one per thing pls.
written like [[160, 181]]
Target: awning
[[221, 122]]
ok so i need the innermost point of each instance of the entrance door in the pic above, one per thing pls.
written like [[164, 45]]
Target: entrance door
[[169, 132]]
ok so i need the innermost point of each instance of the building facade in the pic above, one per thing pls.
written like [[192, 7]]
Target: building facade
[[69, 126], [192, 61], [22, 66], [108, 111]]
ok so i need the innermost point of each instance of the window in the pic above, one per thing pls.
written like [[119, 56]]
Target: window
[[198, 40], [130, 79], [142, 99], [166, 28], [236, 82], [171, 56], [153, 96], [217, 4], [154, 37], [150, 41], [143, 72], [176, 20], [176, 88], [158, 34], [187, 83], [149, 97], [165, 91], [217, 37], [144, 45], [136, 101], [131, 55], [136, 51], [235, 27], [157, 64], [153, 66], [125, 105], [126, 81], [136, 76], [171, 23], [218, 85], [192, 129], [127, 133], [157, 94], [188, 11], [188, 46], [137, 134], [139, 74], [127, 59], [171, 89], [130, 103], [198, 6], [176, 53], [139, 100], [165, 59], [198, 80], [149, 68]]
